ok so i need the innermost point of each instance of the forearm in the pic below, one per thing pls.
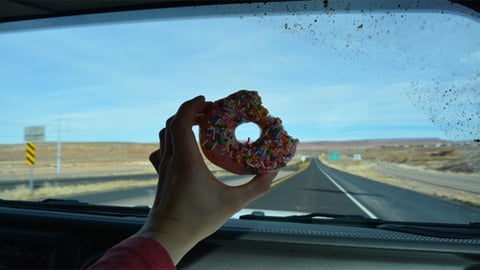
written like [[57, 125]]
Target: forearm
[[135, 253]]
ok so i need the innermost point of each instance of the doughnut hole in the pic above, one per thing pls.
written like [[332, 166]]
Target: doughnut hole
[[247, 132]]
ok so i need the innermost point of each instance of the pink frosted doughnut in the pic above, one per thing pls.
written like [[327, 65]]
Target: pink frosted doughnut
[[272, 150]]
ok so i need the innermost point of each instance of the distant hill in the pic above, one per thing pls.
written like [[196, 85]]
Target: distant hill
[[367, 143], [124, 150]]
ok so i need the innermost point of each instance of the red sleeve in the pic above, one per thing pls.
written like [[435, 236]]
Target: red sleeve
[[135, 253]]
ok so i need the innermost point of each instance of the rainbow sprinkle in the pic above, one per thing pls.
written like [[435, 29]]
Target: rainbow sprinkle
[[272, 150]]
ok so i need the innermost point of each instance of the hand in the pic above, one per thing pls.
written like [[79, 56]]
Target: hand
[[191, 203]]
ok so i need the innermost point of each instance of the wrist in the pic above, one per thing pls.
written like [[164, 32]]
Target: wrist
[[175, 238]]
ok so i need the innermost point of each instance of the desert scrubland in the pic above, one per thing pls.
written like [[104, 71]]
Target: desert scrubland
[[412, 159]]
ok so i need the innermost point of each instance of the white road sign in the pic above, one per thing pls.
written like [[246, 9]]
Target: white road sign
[[34, 134]]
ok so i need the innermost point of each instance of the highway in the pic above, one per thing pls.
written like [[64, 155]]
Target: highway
[[322, 189]]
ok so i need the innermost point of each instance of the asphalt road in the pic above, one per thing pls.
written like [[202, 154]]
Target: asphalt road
[[75, 180], [144, 196], [326, 190]]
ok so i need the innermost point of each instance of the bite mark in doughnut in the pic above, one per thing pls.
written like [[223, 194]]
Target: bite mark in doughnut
[[271, 151]]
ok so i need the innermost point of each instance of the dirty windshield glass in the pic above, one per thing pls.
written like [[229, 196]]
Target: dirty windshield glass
[[385, 104]]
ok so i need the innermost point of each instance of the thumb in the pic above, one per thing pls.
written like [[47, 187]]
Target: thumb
[[256, 187]]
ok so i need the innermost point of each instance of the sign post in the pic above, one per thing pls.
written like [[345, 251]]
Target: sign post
[[30, 161], [31, 135]]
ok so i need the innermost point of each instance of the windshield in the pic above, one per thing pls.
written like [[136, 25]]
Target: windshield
[[385, 104]]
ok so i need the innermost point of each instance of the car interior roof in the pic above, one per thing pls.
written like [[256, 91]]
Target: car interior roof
[[16, 10]]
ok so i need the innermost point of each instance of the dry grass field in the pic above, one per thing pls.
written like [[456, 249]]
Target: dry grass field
[[77, 159], [428, 154], [81, 159]]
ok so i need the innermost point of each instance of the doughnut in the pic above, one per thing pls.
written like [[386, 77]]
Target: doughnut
[[271, 151]]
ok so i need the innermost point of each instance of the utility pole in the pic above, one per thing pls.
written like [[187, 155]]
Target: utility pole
[[59, 145], [60, 129]]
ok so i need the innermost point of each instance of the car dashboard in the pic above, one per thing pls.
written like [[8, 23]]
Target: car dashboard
[[41, 239]]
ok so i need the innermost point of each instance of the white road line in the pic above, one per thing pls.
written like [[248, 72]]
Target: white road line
[[361, 206]]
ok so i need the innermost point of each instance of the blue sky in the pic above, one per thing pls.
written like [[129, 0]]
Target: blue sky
[[335, 77]]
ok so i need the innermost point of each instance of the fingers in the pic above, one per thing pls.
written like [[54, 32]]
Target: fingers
[[161, 136], [182, 138], [161, 161], [188, 112], [166, 140], [157, 156], [248, 192], [155, 159], [178, 125]]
